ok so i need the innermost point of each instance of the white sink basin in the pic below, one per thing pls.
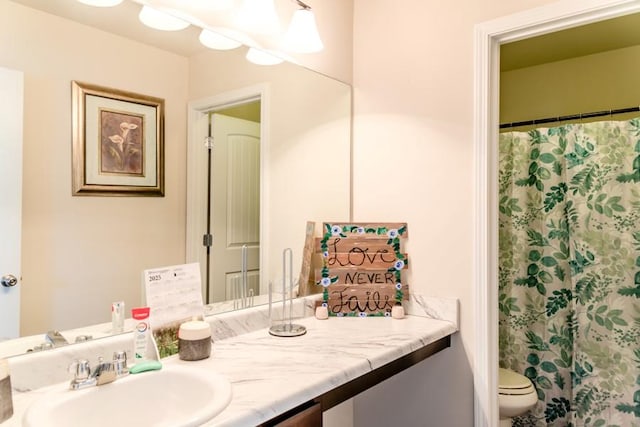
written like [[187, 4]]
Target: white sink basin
[[176, 396]]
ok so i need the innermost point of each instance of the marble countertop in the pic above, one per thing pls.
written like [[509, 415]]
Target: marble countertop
[[290, 371], [271, 375]]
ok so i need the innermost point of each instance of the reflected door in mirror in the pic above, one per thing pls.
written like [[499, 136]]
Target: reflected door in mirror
[[235, 206]]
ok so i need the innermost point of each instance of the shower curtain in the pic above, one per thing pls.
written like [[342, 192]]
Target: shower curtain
[[569, 270]]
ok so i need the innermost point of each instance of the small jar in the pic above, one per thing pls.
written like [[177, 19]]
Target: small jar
[[397, 312], [322, 312], [194, 340]]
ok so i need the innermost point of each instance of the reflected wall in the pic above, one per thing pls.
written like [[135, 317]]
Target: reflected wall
[[81, 253], [307, 143]]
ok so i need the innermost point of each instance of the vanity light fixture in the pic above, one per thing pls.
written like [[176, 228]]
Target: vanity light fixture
[[302, 35], [258, 16], [161, 21], [218, 40], [262, 57], [101, 3]]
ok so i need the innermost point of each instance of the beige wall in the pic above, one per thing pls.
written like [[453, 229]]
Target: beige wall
[[81, 253], [598, 82], [413, 106]]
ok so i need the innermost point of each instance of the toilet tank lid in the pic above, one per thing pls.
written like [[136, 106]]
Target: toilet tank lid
[[508, 379]]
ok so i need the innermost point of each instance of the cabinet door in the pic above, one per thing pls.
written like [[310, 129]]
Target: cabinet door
[[310, 417]]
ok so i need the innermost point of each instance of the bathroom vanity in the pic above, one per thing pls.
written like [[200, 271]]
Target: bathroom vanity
[[279, 381]]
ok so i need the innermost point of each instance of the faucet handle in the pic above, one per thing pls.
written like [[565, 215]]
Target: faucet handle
[[80, 369], [119, 356], [120, 363]]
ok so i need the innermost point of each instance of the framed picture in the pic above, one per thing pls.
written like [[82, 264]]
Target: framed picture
[[118, 142]]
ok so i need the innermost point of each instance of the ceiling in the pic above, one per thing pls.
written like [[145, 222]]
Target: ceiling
[[599, 37], [122, 20]]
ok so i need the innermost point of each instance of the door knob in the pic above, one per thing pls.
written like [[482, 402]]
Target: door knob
[[9, 280]]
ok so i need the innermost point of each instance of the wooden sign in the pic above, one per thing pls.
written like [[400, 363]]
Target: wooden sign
[[307, 253], [339, 244], [355, 276], [362, 267]]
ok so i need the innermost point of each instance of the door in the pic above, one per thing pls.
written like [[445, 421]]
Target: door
[[235, 206], [11, 105]]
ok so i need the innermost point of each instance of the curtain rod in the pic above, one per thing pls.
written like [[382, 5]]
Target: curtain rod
[[570, 117]]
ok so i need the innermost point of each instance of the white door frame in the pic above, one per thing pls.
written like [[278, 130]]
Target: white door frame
[[488, 37], [197, 122], [11, 141]]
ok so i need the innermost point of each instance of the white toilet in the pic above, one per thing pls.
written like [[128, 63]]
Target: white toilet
[[516, 395]]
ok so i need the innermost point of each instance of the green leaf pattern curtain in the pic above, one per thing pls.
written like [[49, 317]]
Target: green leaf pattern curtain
[[569, 270]]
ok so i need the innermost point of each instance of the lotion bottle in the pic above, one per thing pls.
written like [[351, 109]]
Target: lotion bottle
[[117, 317], [141, 333]]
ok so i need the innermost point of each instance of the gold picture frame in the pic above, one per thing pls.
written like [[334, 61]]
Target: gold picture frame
[[118, 142]]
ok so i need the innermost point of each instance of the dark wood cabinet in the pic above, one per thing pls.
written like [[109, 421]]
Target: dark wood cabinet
[[310, 417], [307, 415]]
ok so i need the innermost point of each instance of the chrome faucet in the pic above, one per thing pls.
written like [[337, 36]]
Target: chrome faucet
[[102, 373], [82, 375], [56, 339]]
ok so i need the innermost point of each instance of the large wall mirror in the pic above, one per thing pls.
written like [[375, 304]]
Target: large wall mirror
[[81, 253]]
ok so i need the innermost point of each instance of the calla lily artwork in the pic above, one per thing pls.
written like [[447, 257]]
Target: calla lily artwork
[[118, 142], [122, 145]]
